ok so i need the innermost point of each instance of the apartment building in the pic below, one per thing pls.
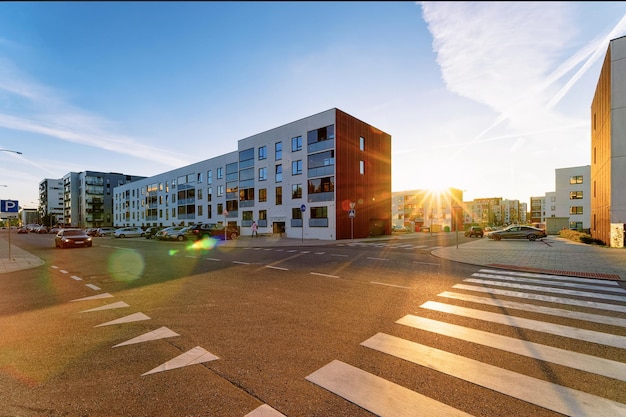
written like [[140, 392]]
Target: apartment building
[[326, 176], [88, 197], [608, 146], [51, 201], [572, 194], [428, 209]]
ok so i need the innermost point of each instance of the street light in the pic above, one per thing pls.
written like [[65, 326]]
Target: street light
[[9, 150]]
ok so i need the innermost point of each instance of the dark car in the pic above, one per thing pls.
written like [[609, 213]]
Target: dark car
[[475, 231], [216, 231], [67, 238], [518, 232], [151, 231]]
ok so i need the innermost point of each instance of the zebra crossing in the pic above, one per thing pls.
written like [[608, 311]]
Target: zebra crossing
[[579, 300]]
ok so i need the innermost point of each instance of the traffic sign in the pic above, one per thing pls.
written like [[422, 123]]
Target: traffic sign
[[9, 206], [303, 208], [352, 214]]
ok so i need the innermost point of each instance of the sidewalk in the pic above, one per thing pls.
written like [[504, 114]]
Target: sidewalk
[[554, 255]]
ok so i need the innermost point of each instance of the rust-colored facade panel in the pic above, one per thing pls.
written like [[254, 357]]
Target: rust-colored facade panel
[[601, 154], [363, 177]]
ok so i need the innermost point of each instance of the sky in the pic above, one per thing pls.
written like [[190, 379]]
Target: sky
[[490, 98]]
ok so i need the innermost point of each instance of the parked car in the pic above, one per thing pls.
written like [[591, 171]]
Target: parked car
[[129, 232], [151, 231], [92, 231], [163, 233], [518, 232], [71, 238], [397, 228], [203, 230], [475, 231], [178, 235], [22, 230], [105, 231]]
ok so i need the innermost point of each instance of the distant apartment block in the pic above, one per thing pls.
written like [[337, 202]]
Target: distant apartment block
[[51, 201], [327, 176], [88, 197], [434, 210], [608, 144]]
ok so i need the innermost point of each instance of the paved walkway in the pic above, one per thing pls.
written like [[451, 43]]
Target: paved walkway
[[552, 255]]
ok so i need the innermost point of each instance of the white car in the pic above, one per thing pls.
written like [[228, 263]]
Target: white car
[[129, 232]]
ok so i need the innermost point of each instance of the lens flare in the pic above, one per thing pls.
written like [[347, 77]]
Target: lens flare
[[206, 243], [126, 265]]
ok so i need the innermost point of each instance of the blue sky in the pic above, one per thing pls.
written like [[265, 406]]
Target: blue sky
[[489, 98]]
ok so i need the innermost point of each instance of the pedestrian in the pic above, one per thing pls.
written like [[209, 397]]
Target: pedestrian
[[254, 230]]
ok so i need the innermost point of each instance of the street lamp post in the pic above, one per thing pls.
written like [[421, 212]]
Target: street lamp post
[[9, 150]]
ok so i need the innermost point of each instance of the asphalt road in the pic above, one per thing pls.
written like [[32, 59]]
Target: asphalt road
[[300, 329]]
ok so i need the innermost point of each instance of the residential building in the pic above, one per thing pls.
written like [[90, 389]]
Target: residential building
[[51, 201], [572, 194], [327, 176], [427, 209], [88, 197], [608, 145]]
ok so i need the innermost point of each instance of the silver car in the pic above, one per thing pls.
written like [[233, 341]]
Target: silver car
[[129, 232], [518, 232]]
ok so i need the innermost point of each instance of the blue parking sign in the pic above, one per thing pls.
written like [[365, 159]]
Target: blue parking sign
[[9, 206]]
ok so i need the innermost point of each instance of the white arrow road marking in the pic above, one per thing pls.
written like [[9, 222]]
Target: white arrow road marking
[[94, 297], [157, 334], [127, 319], [119, 304], [191, 357], [264, 411]]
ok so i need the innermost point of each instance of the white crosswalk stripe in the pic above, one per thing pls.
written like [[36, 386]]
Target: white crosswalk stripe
[[533, 290]]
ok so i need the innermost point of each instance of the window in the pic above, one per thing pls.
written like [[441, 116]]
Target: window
[[220, 208], [262, 195], [576, 210], [209, 177], [278, 151], [199, 194], [324, 185], [247, 215], [319, 212], [200, 177], [576, 179], [296, 213], [220, 190], [262, 153], [362, 143], [199, 211], [246, 194], [575, 195], [279, 196], [220, 173], [262, 174], [321, 134], [296, 167], [361, 167], [209, 194], [209, 211], [296, 144], [279, 173], [296, 191]]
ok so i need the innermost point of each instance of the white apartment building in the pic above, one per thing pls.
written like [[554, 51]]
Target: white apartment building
[[51, 201], [327, 176], [573, 196]]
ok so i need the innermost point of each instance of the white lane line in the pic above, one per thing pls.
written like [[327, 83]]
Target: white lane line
[[276, 267], [324, 275], [319, 253], [241, 263], [547, 298], [581, 361], [291, 251], [211, 259], [305, 251], [559, 312], [553, 283], [335, 254], [420, 246], [191, 357], [540, 326], [377, 259], [389, 285], [127, 319], [63, 271], [54, 267], [427, 263], [548, 289], [93, 287], [545, 394], [549, 276], [377, 395], [75, 278]]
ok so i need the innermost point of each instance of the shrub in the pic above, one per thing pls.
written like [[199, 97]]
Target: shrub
[[577, 236]]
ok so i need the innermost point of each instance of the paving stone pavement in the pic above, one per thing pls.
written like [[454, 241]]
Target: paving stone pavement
[[551, 255]]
